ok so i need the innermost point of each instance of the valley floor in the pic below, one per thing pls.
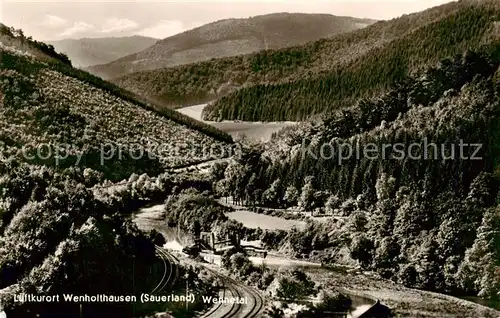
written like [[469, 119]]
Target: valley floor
[[255, 131], [403, 302]]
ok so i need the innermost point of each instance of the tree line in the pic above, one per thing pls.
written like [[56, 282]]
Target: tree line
[[425, 223], [299, 82], [369, 74]]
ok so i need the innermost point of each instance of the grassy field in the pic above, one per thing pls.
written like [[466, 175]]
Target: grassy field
[[254, 220]]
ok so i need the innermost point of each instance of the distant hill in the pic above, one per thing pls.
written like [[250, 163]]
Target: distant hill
[[86, 52], [348, 73], [232, 37], [299, 82]]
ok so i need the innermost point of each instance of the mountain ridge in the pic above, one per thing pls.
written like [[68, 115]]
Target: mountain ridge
[[198, 82], [324, 74], [470, 26], [86, 52], [230, 37]]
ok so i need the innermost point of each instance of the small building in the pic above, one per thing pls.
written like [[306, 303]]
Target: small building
[[208, 241]]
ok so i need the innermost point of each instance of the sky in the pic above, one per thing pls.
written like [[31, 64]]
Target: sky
[[55, 20]]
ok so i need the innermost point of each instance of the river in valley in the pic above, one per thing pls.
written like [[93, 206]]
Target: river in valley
[[152, 217], [495, 304], [255, 131]]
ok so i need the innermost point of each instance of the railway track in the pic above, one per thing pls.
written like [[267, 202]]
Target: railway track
[[170, 273], [175, 270], [234, 289], [215, 308], [257, 300], [235, 308]]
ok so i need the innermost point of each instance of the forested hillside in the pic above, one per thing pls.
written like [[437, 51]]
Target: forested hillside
[[92, 51], [469, 27], [63, 132], [232, 37], [10, 36], [206, 81], [55, 109], [417, 199]]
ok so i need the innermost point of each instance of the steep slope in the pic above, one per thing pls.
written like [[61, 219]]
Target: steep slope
[[202, 82], [321, 74], [470, 26], [232, 37], [62, 133], [60, 106], [86, 52]]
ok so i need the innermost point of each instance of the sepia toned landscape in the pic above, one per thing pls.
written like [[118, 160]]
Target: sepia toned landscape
[[292, 159]]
